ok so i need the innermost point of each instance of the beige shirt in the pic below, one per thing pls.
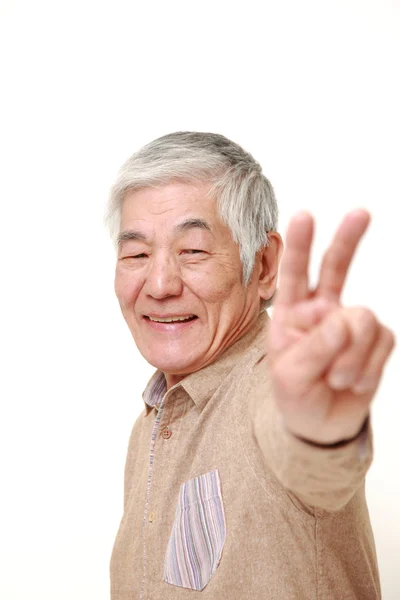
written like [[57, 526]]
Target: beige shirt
[[222, 502]]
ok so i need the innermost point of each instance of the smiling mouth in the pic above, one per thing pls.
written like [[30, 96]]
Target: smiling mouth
[[175, 319]]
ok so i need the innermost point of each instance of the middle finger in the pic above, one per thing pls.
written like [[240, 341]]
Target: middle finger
[[338, 257]]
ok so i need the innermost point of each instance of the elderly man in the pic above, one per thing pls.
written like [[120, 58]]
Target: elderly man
[[245, 471]]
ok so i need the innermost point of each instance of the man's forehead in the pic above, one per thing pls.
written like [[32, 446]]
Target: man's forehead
[[197, 191]]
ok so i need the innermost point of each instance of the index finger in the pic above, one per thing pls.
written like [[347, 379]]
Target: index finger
[[339, 255], [293, 274]]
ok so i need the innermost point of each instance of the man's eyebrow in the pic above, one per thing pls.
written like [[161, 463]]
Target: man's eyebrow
[[125, 236], [192, 223], [130, 234]]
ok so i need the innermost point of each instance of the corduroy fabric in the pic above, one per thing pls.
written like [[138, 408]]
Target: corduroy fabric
[[295, 522]]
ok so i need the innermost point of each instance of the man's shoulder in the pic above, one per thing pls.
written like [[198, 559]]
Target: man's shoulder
[[250, 376]]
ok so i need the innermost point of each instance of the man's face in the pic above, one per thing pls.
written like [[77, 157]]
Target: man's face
[[178, 261]]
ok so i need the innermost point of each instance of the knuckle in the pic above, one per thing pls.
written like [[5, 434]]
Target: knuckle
[[389, 338], [365, 318], [349, 363], [324, 305]]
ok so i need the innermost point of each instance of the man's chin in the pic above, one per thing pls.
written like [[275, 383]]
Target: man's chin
[[178, 366]]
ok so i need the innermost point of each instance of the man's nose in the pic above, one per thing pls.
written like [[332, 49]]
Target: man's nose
[[163, 278]]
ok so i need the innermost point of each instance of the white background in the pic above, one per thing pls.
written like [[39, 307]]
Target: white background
[[310, 88]]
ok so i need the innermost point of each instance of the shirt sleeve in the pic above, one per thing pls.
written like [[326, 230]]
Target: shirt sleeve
[[323, 477]]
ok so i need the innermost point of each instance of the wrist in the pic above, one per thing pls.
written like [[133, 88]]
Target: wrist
[[335, 444]]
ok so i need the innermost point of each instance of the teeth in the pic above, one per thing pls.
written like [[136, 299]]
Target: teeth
[[171, 319]]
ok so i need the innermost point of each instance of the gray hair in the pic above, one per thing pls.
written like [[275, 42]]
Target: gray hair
[[245, 198]]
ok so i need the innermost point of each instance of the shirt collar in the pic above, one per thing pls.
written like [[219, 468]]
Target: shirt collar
[[201, 384], [155, 389]]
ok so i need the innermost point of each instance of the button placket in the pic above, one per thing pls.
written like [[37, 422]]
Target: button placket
[[174, 409], [169, 433], [169, 411]]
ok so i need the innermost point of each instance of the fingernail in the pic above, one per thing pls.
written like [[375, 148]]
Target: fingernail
[[340, 381]]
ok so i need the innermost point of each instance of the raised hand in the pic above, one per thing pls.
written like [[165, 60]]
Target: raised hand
[[326, 360]]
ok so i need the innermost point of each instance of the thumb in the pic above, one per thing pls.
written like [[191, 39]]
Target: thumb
[[310, 358]]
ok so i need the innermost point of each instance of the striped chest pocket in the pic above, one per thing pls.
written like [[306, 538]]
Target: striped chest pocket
[[198, 534]]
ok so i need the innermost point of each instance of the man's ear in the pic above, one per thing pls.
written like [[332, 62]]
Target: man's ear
[[268, 265]]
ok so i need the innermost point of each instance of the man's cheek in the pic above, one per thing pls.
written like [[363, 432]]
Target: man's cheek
[[212, 285], [219, 288], [126, 290]]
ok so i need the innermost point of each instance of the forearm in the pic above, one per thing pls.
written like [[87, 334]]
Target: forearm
[[322, 476]]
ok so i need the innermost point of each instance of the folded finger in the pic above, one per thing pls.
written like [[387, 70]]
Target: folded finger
[[370, 376], [364, 330], [304, 315], [310, 357]]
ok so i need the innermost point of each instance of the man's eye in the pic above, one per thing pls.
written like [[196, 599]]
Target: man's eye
[[192, 251], [136, 256]]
